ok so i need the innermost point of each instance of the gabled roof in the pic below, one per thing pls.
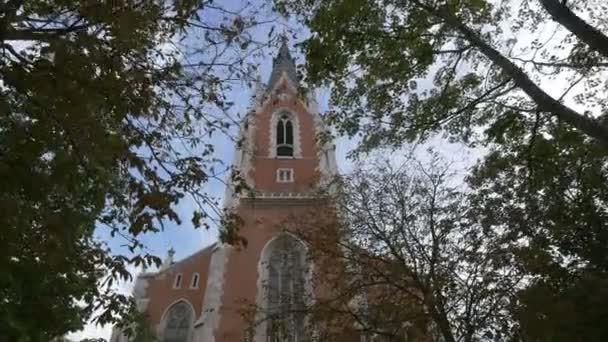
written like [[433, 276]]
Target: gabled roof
[[283, 62]]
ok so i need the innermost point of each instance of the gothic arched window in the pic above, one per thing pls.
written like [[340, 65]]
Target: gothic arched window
[[178, 321], [286, 290], [284, 136]]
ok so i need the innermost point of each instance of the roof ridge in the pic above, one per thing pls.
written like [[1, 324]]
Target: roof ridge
[[210, 247]]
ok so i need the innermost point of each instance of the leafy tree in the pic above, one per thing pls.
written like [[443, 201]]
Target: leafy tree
[[454, 47], [552, 196], [526, 80], [407, 260], [107, 110]]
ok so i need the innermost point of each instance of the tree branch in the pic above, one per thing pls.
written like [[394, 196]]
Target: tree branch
[[41, 34], [545, 102], [583, 31], [562, 64]]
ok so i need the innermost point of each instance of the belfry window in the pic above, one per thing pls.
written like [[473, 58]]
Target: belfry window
[[284, 136], [286, 291]]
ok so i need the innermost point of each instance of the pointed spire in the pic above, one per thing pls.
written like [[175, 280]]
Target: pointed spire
[[283, 63], [284, 49]]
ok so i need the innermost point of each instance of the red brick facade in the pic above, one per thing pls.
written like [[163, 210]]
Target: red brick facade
[[230, 277]]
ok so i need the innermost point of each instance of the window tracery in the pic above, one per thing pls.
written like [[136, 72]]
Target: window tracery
[[286, 291], [284, 136], [178, 323]]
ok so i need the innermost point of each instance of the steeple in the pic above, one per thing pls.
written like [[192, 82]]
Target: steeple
[[283, 63]]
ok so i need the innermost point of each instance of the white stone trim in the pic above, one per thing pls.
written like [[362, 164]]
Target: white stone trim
[[274, 119], [210, 315], [247, 148], [260, 322], [282, 195], [139, 292], [326, 152], [285, 171], [311, 102], [141, 303], [242, 162]]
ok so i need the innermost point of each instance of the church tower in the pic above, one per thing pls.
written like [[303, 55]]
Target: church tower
[[283, 163], [201, 298]]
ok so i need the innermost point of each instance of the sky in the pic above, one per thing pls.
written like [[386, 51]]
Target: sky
[[186, 240]]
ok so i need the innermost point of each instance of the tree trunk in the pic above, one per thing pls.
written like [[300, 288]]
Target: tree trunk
[[443, 324], [585, 32], [545, 103]]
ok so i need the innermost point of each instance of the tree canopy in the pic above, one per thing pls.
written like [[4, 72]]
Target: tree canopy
[[107, 111], [524, 80], [401, 70], [407, 260]]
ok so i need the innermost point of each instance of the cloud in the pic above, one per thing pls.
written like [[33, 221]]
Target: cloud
[[92, 331]]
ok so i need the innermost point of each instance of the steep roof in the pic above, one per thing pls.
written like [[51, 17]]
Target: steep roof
[[283, 63]]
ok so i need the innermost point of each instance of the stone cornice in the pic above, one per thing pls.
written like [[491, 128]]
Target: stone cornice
[[280, 199]]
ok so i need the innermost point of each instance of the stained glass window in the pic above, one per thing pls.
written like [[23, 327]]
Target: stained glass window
[[286, 291], [177, 327]]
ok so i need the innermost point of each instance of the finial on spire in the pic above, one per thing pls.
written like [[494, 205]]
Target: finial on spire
[[283, 62], [171, 253], [169, 259]]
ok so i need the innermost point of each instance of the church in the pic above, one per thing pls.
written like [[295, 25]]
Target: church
[[201, 298]]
